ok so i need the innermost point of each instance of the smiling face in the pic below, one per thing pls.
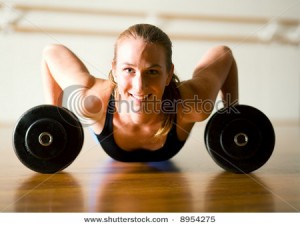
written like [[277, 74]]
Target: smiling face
[[140, 71]]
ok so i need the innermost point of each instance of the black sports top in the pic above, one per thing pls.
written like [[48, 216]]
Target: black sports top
[[171, 147]]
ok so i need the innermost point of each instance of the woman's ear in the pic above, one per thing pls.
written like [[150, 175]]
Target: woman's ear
[[170, 75]]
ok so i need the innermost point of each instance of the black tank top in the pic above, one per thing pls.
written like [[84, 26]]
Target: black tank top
[[171, 147]]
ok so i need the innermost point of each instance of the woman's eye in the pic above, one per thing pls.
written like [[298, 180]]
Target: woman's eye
[[153, 72], [128, 70]]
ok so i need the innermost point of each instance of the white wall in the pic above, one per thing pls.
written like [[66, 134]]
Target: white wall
[[269, 74]]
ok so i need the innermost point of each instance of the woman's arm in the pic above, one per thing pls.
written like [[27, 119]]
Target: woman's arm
[[216, 72], [61, 68]]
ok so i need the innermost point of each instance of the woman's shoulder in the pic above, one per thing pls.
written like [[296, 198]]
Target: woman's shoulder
[[101, 91], [104, 84], [96, 98], [190, 107]]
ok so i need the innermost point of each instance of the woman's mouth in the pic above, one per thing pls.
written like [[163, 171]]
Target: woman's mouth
[[140, 98]]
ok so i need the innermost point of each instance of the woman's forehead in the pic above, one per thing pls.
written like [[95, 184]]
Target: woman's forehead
[[138, 49], [138, 44]]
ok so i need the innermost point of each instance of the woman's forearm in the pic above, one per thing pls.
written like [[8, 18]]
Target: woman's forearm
[[52, 91], [61, 68], [230, 88]]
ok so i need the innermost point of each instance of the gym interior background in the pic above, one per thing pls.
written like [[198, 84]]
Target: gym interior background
[[265, 38]]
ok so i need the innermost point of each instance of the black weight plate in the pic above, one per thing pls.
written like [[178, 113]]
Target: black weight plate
[[247, 147], [45, 138], [223, 134], [66, 132]]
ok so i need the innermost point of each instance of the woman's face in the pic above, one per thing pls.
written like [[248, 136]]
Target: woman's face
[[140, 71]]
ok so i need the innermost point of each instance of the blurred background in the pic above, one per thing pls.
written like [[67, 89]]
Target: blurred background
[[263, 34]]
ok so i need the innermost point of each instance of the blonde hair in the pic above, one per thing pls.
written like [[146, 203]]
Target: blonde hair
[[152, 34]]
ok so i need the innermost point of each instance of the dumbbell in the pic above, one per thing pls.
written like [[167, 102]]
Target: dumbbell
[[240, 139], [47, 138]]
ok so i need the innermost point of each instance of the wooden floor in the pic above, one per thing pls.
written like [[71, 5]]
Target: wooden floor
[[191, 182]]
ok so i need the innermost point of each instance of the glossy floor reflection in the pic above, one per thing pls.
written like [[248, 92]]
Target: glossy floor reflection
[[56, 193], [140, 188], [190, 182], [238, 193]]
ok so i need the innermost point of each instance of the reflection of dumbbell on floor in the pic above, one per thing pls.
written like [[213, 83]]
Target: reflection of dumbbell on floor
[[240, 139], [47, 138]]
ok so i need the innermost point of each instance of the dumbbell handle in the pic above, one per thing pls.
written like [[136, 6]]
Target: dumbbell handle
[[45, 139], [241, 139]]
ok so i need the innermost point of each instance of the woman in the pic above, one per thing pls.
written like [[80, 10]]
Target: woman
[[142, 112]]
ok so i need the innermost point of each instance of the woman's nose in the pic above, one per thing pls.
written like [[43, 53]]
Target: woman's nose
[[139, 83]]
